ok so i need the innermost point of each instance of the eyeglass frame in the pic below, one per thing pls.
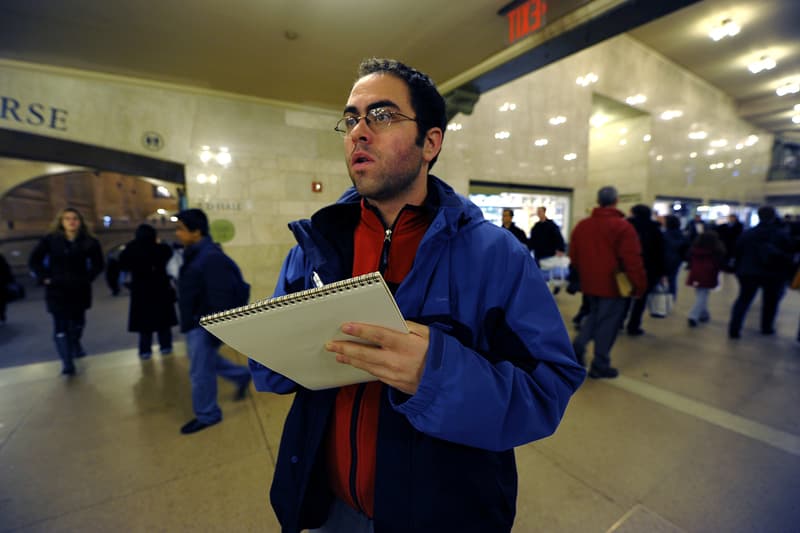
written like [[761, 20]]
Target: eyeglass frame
[[366, 117]]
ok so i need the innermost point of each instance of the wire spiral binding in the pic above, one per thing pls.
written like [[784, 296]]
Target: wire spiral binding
[[268, 304]]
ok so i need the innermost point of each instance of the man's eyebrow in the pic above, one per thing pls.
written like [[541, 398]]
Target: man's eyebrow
[[374, 105]]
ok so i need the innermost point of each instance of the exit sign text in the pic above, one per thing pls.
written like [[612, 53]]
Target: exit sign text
[[525, 19]]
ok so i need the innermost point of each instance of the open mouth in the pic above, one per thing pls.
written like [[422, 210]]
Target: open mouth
[[360, 159]]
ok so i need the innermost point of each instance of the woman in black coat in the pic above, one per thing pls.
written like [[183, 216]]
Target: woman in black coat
[[152, 307], [66, 261]]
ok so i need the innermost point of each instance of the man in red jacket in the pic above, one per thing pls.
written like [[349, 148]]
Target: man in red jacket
[[601, 245]]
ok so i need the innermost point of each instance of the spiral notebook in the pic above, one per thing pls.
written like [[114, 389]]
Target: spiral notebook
[[287, 334]]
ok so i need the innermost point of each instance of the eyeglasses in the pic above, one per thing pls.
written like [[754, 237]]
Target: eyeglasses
[[377, 120]]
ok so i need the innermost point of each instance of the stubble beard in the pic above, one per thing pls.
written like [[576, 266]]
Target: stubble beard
[[387, 185]]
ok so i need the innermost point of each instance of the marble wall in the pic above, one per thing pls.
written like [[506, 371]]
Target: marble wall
[[278, 149]]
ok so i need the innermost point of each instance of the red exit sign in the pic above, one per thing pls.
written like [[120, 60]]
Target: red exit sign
[[525, 19]]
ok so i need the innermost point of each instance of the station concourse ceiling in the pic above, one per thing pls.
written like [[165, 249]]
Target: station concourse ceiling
[[305, 51]]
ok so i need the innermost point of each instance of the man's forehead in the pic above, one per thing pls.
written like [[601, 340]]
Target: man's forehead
[[379, 87]]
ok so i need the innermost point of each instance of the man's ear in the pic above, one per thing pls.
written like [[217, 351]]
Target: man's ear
[[433, 144]]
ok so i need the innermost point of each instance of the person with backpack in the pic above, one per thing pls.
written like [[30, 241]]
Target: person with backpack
[[209, 282]]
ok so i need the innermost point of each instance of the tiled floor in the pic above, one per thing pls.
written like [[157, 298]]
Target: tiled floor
[[698, 434]]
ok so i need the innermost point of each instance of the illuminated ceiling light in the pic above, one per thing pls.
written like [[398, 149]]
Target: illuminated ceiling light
[[698, 135], [765, 63], [718, 143], [502, 135], [797, 107], [796, 119], [739, 146], [751, 140], [598, 119], [647, 138], [201, 178], [205, 154], [787, 88], [555, 121], [570, 156], [163, 191], [711, 152], [173, 218], [224, 156], [454, 126], [161, 211], [737, 161], [213, 179], [728, 28], [659, 157], [507, 106], [587, 80], [693, 155], [623, 142], [670, 114], [623, 131], [636, 99], [541, 142]]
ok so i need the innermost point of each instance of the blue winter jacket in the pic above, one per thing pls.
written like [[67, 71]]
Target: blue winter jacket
[[499, 372]]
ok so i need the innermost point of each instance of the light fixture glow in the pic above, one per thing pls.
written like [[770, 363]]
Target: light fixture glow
[[659, 157], [205, 154], [584, 81], [201, 178], [698, 135], [751, 140], [500, 135], [507, 106], [541, 142], [693, 155], [598, 119], [727, 28], [739, 146], [555, 121], [647, 138], [570, 156], [718, 143], [787, 88], [636, 99], [454, 126], [796, 119], [670, 114], [623, 142], [764, 63], [213, 179]]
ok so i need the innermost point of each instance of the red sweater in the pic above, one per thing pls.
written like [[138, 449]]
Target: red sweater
[[352, 437], [600, 245]]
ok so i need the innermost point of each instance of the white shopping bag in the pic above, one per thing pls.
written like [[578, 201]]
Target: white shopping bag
[[660, 301]]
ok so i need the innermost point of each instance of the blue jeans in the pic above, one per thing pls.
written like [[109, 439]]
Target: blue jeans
[[344, 519], [700, 309], [205, 364]]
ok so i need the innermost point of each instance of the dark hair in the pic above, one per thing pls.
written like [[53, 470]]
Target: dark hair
[[428, 104], [607, 196], [766, 213], [709, 240], [57, 227], [641, 211], [672, 222], [194, 219], [145, 233], [509, 211]]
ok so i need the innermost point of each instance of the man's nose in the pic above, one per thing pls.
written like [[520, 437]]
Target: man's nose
[[361, 131]]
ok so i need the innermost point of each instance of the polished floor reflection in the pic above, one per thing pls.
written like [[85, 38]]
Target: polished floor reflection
[[699, 433]]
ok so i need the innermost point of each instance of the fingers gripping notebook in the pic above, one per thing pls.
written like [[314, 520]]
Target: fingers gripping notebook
[[287, 334]]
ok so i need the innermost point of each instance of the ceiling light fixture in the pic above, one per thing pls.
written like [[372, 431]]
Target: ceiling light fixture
[[751, 140], [727, 28], [765, 63], [647, 138], [555, 121], [636, 99], [796, 119], [669, 114], [541, 142], [507, 106], [584, 81], [570, 156], [454, 126], [500, 135], [718, 143], [698, 135], [693, 155], [787, 88], [598, 119]]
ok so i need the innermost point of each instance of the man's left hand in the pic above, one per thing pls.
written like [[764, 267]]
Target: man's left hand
[[395, 358]]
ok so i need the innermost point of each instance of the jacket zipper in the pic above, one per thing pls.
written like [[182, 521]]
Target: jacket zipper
[[353, 446], [387, 242]]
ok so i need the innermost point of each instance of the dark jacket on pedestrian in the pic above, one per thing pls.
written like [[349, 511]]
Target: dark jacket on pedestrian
[[209, 282], [71, 267], [652, 241], [676, 248], [765, 251], [546, 239], [152, 305]]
